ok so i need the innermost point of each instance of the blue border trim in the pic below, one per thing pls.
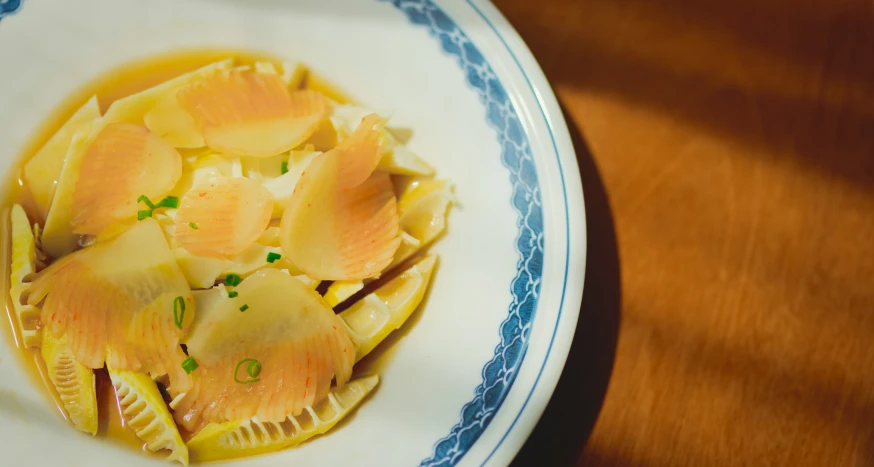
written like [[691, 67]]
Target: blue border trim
[[567, 226], [500, 373], [7, 7]]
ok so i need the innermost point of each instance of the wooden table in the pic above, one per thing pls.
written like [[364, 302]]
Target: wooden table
[[727, 156]]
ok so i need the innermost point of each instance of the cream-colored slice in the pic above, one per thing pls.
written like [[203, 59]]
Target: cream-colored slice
[[207, 301], [371, 319], [255, 258], [171, 122], [133, 108], [158, 108], [128, 284], [307, 280], [266, 67], [270, 237], [74, 382], [294, 73], [23, 265], [423, 208], [145, 412], [396, 158], [282, 187], [43, 170], [58, 238], [399, 159], [213, 161], [339, 291], [230, 440], [202, 272], [263, 168]]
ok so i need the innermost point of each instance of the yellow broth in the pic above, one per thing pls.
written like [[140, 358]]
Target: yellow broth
[[113, 85]]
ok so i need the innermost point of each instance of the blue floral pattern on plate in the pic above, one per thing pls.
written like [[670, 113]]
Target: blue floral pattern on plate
[[8, 7], [500, 372]]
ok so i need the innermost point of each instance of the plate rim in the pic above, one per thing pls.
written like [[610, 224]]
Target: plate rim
[[575, 224], [575, 221]]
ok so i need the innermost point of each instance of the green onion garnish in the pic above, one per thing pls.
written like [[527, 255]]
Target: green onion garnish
[[169, 202], [189, 365], [284, 167], [271, 257], [233, 294], [192, 225], [253, 369], [178, 311], [244, 307], [145, 199], [233, 280], [142, 214]]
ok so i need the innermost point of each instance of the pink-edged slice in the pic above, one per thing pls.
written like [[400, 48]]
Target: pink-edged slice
[[123, 162], [123, 302], [223, 216], [299, 344], [342, 220], [248, 113]]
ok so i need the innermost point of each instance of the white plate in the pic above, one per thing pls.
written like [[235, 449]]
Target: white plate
[[468, 381]]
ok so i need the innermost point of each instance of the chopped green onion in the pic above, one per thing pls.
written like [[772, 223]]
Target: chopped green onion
[[145, 199], [142, 214], [192, 225], [271, 257], [244, 307], [178, 311], [253, 368], [284, 167], [169, 202], [233, 280], [233, 294], [189, 365]]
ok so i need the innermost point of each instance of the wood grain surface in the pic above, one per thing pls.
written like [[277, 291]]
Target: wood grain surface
[[727, 156]]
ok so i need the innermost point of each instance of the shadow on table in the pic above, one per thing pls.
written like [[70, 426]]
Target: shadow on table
[[570, 416], [788, 82]]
